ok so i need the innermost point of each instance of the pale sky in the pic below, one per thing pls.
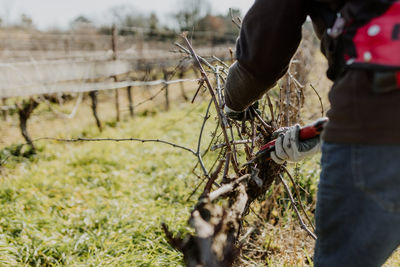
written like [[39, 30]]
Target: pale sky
[[59, 13]]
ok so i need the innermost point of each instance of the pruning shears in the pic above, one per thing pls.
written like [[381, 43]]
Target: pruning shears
[[306, 132]]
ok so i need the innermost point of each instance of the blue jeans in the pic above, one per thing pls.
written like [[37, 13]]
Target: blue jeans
[[358, 206]]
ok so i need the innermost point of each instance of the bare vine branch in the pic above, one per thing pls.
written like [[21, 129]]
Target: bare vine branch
[[236, 20], [298, 196], [303, 225], [221, 116], [198, 152], [78, 140], [320, 100]]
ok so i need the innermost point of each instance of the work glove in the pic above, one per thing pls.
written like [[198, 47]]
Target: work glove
[[240, 115], [289, 147]]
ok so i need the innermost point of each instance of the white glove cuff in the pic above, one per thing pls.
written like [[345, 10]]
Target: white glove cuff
[[276, 159], [229, 110]]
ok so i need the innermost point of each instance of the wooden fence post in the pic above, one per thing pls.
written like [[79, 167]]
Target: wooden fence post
[[166, 77], [140, 46], [93, 96], [114, 49], [130, 99], [117, 110], [4, 111], [181, 75], [114, 41], [67, 47]]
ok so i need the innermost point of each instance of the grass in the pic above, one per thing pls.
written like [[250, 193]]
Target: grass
[[101, 204]]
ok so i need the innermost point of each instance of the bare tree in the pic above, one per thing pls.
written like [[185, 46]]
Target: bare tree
[[7, 7], [80, 21], [26, 21], [127, 16], [190, 13]]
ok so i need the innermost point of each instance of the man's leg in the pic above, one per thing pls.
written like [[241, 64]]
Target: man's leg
[[358, 207]]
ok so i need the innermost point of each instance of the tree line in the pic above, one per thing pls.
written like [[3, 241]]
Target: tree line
[[195, 17]]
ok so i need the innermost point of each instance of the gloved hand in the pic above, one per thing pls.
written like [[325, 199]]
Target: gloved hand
[[289, 147], [239, 115]]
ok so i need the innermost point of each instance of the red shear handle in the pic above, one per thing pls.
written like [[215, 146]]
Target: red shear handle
[[312, 130], [267, 146], [306, 132]]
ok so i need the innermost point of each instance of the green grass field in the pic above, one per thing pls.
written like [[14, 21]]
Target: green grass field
[[102, 203]]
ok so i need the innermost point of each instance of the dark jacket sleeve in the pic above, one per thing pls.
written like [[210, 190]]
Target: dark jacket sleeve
[[270, 35]]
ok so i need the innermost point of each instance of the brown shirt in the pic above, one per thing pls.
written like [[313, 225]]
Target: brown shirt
[[270, 35]]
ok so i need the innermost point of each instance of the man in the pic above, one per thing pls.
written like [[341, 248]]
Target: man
[[358, 207]]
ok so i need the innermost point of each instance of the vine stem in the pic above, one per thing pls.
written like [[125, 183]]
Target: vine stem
[[221, 117], [303, 225], [77, 140]]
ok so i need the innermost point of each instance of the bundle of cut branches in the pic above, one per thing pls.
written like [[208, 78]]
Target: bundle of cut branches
[[231, 186]]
